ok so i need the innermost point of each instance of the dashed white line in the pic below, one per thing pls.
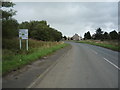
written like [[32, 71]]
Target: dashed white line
[[112, 64], [94, 51]]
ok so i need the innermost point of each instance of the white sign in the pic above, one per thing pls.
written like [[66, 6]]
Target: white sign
[[23, 33]]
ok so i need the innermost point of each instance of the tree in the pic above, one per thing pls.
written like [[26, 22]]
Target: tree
[[9, 28], [98, 34], [65, 38], [41, 31], [106, 35], [113, 35], [9, 25], [119, 35], [87, 35], [71, 38], [8, 14], [93, 36]]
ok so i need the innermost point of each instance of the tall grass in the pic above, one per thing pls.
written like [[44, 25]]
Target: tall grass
[[13, 58], [113, 45]]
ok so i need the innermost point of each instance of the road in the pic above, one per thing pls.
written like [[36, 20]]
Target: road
[[84, 66]]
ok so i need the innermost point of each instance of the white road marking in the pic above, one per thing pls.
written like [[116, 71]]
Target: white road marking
[[112, 64], [92, 50], [95, 52]]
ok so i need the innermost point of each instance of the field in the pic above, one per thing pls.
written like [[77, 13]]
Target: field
[[110, 44], [13, 58]]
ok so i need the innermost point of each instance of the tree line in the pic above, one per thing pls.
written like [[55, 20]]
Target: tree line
[[39, 30], [101, 35]]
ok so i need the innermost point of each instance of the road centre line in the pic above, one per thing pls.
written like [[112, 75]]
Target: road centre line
[[95, 52], [112, 64], [92, 50]]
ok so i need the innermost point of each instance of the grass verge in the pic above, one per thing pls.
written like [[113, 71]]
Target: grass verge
[[13, 61], [106, 44]]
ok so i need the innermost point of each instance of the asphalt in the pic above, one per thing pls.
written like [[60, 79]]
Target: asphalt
[[84, 66]]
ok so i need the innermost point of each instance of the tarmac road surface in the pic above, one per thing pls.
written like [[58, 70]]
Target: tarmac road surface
[[84, 66]]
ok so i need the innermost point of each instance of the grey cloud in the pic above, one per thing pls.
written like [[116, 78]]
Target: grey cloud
[[71, 17]]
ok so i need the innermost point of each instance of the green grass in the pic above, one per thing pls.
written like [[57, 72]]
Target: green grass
[[108, 45], [14, 59]]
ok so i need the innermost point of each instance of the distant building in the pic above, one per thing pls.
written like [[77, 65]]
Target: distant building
[[77, 37]]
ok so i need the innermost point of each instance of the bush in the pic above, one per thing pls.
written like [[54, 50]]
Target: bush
[[9, 28]]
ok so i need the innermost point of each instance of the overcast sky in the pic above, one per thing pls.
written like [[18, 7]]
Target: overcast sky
[[71, 17]]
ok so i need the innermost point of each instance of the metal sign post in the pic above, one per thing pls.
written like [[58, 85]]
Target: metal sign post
[[27, 44], [20, 44], [23, 34]]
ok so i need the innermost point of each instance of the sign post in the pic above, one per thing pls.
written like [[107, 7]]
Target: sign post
[[20, 43], [23, 34], [27, 44]]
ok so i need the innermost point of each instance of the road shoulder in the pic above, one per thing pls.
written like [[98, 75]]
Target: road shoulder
[[31, 72]]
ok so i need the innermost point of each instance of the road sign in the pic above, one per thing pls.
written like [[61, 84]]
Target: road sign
[[23, 33]]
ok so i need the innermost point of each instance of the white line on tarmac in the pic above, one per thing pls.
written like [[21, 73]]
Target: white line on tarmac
[[92, 50], [112, 64], [95, 52]]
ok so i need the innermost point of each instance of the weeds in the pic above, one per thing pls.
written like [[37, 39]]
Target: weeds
[[13, 58]]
